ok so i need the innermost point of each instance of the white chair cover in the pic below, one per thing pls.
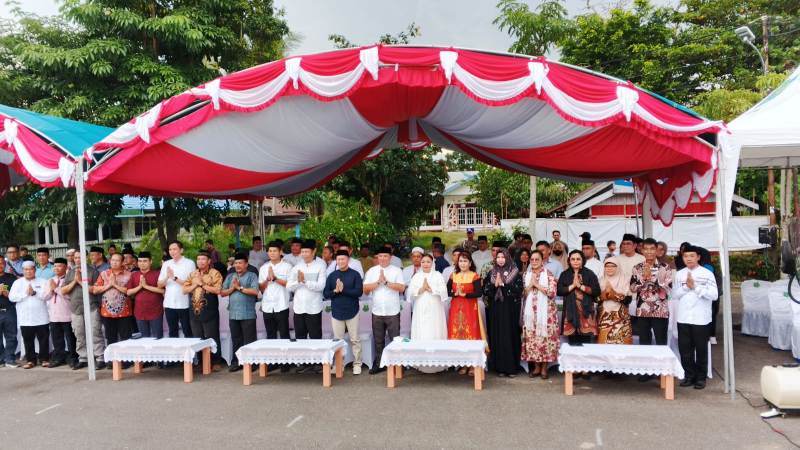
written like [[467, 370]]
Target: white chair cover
[[796, 329], [756, 313], [780, 323]]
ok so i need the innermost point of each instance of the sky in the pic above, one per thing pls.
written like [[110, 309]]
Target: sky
[[460, 23]]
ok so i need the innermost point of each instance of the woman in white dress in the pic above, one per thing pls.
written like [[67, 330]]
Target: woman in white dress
[[428, 293]]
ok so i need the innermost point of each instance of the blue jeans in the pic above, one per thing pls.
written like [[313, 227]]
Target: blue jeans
[[8, 333], [178, 315], [151, 328]]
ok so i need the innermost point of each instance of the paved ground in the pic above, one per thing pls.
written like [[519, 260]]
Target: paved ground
[[47, 408]]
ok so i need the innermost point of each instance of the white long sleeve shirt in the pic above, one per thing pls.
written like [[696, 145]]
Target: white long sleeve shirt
[[694, 307], [275, 297], [308, 294], [31, 309]]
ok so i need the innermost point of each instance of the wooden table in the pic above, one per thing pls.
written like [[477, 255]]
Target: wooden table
[[658, 360], [166, 350], [283, 351], [434, 353]]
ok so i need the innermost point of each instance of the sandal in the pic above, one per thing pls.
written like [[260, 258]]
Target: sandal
[[545, 375], [471, 371], [462, 371], [29, 365], [536, 371], [45, 363]]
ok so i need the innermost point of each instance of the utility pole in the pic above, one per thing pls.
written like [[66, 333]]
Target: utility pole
[[770, 172]]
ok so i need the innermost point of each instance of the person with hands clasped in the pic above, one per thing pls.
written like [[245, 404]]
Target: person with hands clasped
[[241, 288], [385, 283], [30, 296], [344, 287]]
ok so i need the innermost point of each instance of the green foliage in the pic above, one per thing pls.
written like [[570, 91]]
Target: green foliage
[[105, 61], [751, 266], [535, 31], [349, 219], [457, 160], [507, 194]]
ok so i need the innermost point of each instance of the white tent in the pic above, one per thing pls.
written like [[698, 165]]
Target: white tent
[[769, 132]]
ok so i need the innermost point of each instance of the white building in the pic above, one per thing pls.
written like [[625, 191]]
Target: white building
[[457, 212]]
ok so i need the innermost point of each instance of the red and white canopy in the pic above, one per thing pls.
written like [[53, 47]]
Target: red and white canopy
[[291, 125]]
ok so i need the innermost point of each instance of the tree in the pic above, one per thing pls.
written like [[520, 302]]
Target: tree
[[535, 32], [105, 61], [457, 160], [506, 194]]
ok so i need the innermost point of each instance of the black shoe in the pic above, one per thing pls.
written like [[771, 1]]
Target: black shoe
[[80, 365], [645, 378], [235, 368], [285, 368], [56, 364], [376, 369], [687, 382], [100, 365], [303, 369], [701, 384]]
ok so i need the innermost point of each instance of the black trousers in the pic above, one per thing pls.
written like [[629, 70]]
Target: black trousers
[[693, 347], [118, 328], [243, 332], [712, 330], [381, 326], [308, 326], [658, 326], [580, 339], [208, 329], [39, 333], [174, 316], [277, 323], [63, 342]]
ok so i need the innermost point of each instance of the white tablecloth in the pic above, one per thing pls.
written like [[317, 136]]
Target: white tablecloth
[[435, 353], [623, 359], [158, 350], [284, 351]]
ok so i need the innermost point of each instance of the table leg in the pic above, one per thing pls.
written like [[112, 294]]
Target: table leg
[[568, 383], [248, 375], [137, 367], [398, 372], [326, 375], [663, 381], [116, 373], [390, 377], [206, 361], [483, 374], [339, 357], [478, 378], [669, 394], [188, 373], [262, 370]]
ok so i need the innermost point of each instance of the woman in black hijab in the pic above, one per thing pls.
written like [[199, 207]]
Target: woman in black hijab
[[579, 288], [502, 289]]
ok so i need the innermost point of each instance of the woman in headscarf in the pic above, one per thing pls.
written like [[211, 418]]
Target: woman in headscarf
[[428, 293], [614, 321], [502, 289], [540, 340], [579, 288]]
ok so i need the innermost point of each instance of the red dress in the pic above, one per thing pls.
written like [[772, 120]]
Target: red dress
[[463, 321]]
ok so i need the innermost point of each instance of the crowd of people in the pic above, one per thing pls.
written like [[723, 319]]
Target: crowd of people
[[606, 300]]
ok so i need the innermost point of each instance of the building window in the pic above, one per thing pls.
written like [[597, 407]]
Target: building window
[[112, 230], [42, 238], [462, 216], [143, 225], [63, 233]]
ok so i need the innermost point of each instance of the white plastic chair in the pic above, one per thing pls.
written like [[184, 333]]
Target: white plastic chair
[[780, 321], [756, 312]]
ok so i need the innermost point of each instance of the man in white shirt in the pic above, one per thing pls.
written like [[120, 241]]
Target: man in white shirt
[[694, 288], [590, 253], [385, 283], [294, 252], [306, 281], [482, 255], [272, 280], [257, 256], [173, 275], [394, 260], [30, 295], [628, 258], [412, 269]]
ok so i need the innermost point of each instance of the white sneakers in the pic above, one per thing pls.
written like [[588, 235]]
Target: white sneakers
[[356, 370], [12, 365]]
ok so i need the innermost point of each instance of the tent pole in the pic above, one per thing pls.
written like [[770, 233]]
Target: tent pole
[[87, 309], [532, 207], [724, 263]]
